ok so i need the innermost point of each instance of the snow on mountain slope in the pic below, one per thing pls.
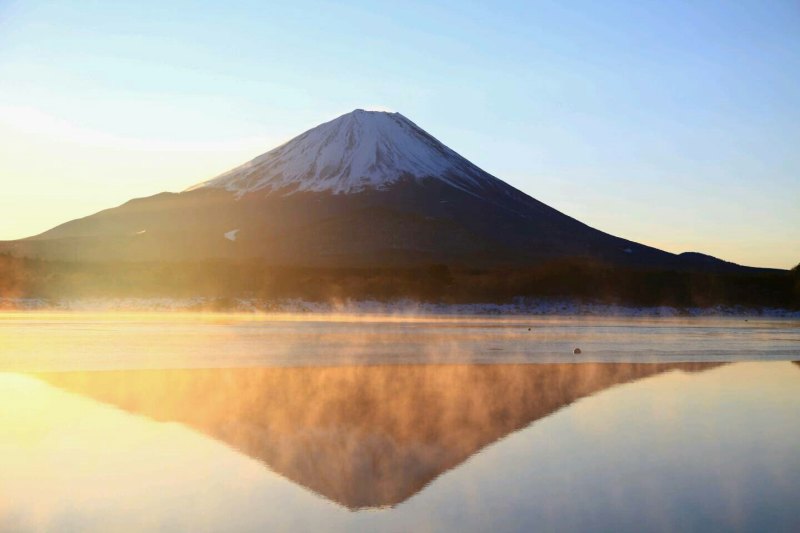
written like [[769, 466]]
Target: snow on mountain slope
[[357, 151]]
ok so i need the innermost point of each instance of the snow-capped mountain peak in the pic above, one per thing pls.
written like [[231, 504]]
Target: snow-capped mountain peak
[[357, 151]]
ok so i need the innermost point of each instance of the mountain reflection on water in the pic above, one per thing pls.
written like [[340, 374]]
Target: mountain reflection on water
[[362, 436]]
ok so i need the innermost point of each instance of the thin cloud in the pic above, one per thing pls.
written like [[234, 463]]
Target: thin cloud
[[37, 122]]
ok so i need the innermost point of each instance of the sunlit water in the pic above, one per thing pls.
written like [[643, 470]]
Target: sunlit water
[[230, 423]]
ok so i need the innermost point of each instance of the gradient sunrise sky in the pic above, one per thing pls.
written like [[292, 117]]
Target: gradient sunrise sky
[[675, 124]]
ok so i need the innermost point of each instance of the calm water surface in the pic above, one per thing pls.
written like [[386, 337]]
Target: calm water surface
[[225, 423]]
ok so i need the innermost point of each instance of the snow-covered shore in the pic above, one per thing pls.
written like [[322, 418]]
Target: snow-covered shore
[[399, 307]]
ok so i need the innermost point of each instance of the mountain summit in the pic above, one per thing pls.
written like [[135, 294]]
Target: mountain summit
[[368, 188], [357, 151]]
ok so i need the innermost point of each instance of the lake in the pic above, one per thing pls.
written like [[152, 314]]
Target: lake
[[189, 422]]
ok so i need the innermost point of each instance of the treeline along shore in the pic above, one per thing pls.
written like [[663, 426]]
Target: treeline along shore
[[577, 280]]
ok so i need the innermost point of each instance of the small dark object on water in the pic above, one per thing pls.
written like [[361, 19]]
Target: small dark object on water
[[576, 351]]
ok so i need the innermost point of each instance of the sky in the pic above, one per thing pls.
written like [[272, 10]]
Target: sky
[[674, 124]]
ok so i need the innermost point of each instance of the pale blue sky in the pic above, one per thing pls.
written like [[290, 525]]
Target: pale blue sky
[[676, 124]]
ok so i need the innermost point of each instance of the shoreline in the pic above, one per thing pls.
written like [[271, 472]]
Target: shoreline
[[519, 307]]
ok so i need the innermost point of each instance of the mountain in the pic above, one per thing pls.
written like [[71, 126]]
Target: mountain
[[366, 189]]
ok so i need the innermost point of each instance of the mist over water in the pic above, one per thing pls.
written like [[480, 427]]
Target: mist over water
[[241, 423], [87, 341]]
